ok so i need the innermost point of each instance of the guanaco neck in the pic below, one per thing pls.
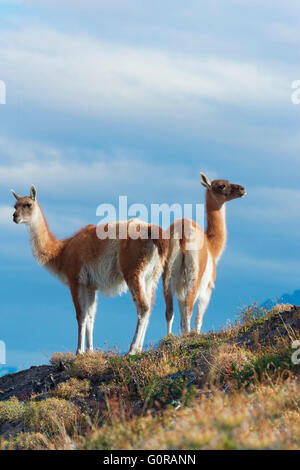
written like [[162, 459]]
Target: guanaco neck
[[216, 226], [45, 246]]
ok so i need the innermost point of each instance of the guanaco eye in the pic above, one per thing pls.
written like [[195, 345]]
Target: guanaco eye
[[222, 186], [28, 205]]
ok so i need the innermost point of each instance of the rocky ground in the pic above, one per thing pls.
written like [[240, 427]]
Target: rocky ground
[[39, 380], [94, 389]]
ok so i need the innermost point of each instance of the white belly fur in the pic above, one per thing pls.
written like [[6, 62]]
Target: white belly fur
[[105, 273]]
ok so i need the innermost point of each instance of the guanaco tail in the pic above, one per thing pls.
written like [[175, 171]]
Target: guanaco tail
[[190, 269], [87, 264]]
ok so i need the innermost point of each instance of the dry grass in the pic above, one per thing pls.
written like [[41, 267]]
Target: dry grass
[[27, 441], [65, 358], [226, 360], [236, 421], [73, 388], [249, 316], [268, 418], [51, 416], [193, 392], [11, 410]]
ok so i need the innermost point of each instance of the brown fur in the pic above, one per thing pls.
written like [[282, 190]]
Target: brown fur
[[67, 257], [211, 241]]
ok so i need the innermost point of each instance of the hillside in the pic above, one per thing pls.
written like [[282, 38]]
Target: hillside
[[232, 389]]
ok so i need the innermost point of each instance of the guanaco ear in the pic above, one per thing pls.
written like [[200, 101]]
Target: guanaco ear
[[205, 181], [15, 194], [33, 193]]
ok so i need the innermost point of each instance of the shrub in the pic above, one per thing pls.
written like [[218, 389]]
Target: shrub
[[26, 441], [89, 365], [65, 358], [51, 416], [11, 410], [73, 388], [266, 366], [226, 360]]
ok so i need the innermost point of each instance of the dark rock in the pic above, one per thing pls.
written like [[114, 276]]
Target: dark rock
[[62, 366], [41, 397], [36, 380]]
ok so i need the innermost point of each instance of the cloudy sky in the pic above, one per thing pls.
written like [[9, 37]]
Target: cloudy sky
[[123, 97]]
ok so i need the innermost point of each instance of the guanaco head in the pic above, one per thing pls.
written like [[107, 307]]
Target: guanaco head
[[222, 190], [25, 207]]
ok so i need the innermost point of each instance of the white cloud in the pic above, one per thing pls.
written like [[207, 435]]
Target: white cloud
[[87, 75], [79, 180], [71, 183], [70, 174]]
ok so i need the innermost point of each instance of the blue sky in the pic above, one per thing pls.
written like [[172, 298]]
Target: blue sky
[[135, 98]]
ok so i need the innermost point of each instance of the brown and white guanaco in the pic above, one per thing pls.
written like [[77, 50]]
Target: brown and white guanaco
[[86, 264], [190, 269]]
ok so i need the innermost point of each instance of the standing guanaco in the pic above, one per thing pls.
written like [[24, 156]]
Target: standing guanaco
[[86, 263], [190, 269]]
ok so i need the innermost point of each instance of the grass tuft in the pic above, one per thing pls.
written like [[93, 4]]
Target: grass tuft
[[11, 410], [236, 388]]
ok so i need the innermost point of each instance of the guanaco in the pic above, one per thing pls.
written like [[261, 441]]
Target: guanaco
[[193, 254], [87, 264]]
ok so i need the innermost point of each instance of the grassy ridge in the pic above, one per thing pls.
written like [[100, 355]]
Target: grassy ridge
[[234, 389]]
